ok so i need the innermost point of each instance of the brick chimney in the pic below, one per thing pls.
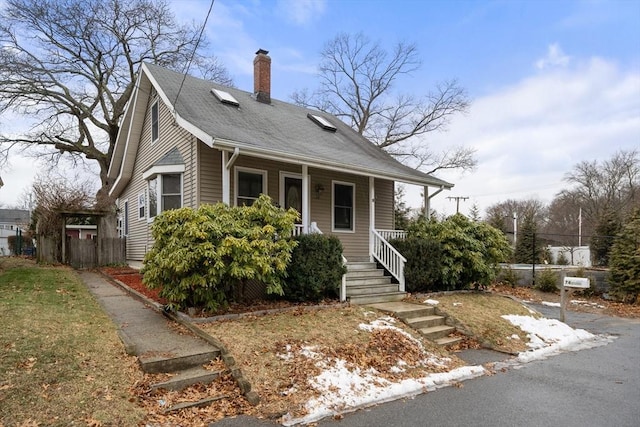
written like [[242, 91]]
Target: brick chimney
[[262, 76]]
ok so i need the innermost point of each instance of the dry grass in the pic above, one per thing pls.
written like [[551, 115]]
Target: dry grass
[[480, 314], [61, 361], [259, 343]]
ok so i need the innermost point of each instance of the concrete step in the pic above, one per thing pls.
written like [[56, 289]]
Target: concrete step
[[370, 289], [425, 321], [352, 266], [154, 363], [364, 281], [188, 377], [405, 310], [447, 341], [434, 332], [365, 273], [376, 298]]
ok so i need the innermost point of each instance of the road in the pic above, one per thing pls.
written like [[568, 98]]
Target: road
[[593, 387]]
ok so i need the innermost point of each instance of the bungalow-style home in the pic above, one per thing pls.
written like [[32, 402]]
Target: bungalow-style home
[[185, 141], [12, 222]]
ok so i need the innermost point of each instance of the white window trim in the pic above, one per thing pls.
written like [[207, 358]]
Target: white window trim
[[159, 193], [333, 211], [125, 216], [162, 170], [283, 175], [155, 104], [142, 193], [249, 170]]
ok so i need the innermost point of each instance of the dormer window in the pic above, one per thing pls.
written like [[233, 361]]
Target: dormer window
[[225, 97], [322, 122]]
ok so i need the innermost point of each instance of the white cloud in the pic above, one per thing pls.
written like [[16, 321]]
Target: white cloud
[[301, 12], [530, 134], [555, 58]]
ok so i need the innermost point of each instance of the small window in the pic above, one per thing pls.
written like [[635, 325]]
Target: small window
[[165, 192], [322, 122], [155, 131], [142, 204], [250, 184], [125, 225], [343, 206], [225, 97]]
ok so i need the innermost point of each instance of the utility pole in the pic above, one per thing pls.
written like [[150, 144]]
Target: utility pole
[[457, 199]]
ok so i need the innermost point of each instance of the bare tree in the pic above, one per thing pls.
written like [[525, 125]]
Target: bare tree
[[357, 77], [70, 66], [602, 187]]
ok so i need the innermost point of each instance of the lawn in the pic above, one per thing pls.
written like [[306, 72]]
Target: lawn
[[62, 362]]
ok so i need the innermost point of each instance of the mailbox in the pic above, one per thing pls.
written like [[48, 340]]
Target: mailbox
[[576, 282]]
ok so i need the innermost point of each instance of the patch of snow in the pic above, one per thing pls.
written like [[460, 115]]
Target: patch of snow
[[550, 337], [457, 304], [431, 302], [344, 390], [551, 304]]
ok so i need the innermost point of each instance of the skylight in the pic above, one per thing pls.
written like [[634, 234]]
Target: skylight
[[322, 122], [225, 97]]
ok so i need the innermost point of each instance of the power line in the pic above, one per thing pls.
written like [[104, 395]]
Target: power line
[[193, 54]]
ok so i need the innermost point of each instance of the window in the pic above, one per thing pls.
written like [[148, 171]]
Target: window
[[343, 206], [154, 122], [165, 192], [125, 225], [250, 183], [142, 204]]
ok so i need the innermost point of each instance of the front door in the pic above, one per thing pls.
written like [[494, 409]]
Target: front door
[[293, 194]]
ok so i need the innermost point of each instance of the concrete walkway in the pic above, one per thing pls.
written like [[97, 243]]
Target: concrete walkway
[[145, 332]]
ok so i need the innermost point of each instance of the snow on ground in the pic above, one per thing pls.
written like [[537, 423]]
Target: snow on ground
[[431, 302], [344, 390], [551, 304]]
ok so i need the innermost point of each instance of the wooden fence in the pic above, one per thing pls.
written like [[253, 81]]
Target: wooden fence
[[84, 253]]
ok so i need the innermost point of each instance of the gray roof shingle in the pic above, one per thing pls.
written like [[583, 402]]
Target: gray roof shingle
[[279, 127]]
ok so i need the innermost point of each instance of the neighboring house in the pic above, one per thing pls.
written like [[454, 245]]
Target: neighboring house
[[81, 231], [185, 141], [10, 221]]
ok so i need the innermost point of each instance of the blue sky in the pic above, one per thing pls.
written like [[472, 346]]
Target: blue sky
[[552, 82]]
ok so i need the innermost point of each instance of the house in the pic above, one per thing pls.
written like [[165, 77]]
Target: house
[[185, 141], [87, 231], [12, 222]]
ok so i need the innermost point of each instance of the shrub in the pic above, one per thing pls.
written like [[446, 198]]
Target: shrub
[[316, 269], [204, 257], [509, 276], [547, 280], [470, 251], [562, 259], [624, 264], [422, 269]]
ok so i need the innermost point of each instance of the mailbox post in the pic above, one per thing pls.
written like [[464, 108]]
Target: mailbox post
[[570, 284]]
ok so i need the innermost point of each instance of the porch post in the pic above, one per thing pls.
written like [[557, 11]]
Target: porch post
[[226, 181], [427, 202], [372, 214], [305, 199]]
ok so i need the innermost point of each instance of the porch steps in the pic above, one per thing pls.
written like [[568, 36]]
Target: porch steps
[[367, 284], [423, 319]]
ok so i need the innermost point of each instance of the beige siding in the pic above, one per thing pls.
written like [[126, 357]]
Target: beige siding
[[170, 136], [384, 204], [210, 174]]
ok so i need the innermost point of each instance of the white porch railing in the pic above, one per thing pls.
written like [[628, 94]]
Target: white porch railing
[[298, 229], [392, 234], [389, 257]]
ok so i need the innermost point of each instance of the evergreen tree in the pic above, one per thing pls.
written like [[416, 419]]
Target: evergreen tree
[[525, 252], [474, 213], [607, 227], [400, 210], [625, 261]]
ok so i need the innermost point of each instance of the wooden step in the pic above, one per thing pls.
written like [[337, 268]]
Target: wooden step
[[188, 377], [376, 298], [434, 332], [352, 266], [425, 321], [365, 273], [363, 281], [370, 289]]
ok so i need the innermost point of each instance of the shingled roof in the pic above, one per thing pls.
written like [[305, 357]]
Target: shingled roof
[[278, 130]]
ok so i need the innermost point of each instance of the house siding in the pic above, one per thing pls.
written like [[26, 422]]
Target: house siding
[[210, 174], [384, 204], [170, 136]]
